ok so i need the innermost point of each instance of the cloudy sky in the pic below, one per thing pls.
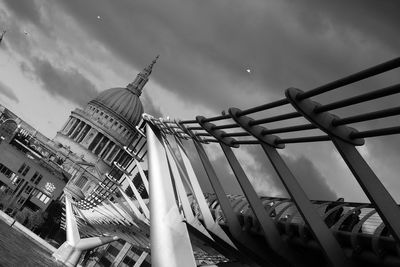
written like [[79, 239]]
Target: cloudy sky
[[57, 55]]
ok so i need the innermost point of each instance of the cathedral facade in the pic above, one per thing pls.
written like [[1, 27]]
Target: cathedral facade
[[99, 133]]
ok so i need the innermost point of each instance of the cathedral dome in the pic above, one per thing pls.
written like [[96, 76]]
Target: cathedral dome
[[123, 103]]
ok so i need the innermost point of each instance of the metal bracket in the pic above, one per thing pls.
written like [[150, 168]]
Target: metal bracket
[[255, 130], [190, 133], [218, 134], [323, 120]]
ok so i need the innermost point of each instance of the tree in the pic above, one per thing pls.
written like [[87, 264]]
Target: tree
[[36, 220], [23, 216], [5, 197]]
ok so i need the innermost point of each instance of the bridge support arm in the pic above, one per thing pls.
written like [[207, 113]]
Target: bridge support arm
[[71, 250]]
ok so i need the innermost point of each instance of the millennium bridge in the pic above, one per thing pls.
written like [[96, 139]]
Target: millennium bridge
[[180, 225]]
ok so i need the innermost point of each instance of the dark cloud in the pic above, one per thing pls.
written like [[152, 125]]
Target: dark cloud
[[7, 91], [267, 181], [67, 83], [25, 10], [205, 48], [311, 180], [262, 175]]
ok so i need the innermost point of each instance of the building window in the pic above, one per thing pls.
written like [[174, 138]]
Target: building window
[[24, 169], [16, 180], [21, 200], [28, 189], [36, 178], [43, 197], [7, 172]]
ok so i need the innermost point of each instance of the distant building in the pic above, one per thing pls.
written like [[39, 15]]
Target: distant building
[[31, 174], [98, 133], [36, 170]]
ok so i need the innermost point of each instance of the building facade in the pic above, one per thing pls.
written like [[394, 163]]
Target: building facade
[[99, 135], [31, 175]]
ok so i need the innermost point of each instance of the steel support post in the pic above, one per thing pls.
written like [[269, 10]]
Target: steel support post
[[271, 233], [341, 138], [133, 207], [208, 220], [187, 210], [70, 251], [170, 242], [142, 175], [243, 241], [139, 198], [322, 234], [383, 202]]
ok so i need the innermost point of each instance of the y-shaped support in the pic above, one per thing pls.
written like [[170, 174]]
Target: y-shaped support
[[70, 252]]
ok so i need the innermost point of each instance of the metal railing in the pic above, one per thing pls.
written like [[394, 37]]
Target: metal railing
[[265, 230]]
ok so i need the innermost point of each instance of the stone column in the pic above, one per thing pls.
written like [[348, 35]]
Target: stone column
[[98, 144], [109, 152], [73, 129], [69, 129], [105, 148], [89, 137], [66, 125], [83, 134], [80, 128], [95, 141]]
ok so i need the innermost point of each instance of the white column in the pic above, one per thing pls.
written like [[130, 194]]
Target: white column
[[100, 140], [170, 242], [75, 129], [142, 175], [104, 148], [145, 209], [66, 125], [109, 152], [71, 125], [209, 222], [70, 251], [82, 131], [87, 140]]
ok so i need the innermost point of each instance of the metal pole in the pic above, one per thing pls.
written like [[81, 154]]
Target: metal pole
[[372, 186], [170, 242], [321, 232], [243, 241], [271, 233]]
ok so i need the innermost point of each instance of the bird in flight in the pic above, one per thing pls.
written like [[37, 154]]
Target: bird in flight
[[2, 36]]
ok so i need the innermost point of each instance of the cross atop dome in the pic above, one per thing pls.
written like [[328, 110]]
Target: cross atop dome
[[142, 78]]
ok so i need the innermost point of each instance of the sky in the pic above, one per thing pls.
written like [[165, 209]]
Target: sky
[[58, 55]]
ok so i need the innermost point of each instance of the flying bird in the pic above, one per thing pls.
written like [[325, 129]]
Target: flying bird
[[2, 36], [98, 17], [248, 70]]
